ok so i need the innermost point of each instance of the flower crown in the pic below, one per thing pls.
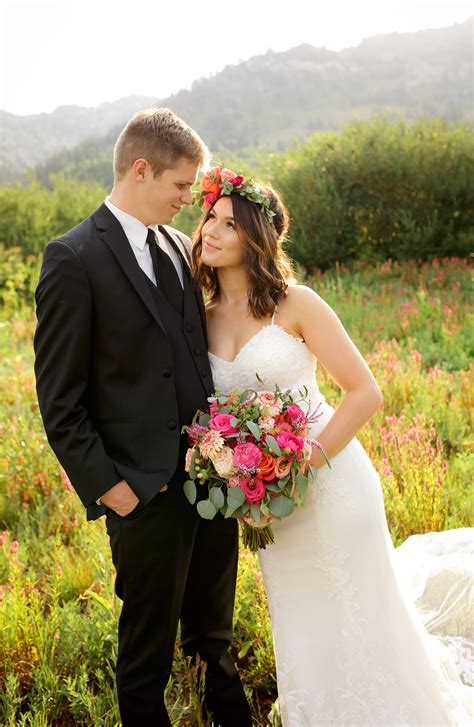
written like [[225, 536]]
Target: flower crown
[[220, 181]]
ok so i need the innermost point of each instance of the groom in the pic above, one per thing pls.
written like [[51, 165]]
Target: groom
[[121, 365]]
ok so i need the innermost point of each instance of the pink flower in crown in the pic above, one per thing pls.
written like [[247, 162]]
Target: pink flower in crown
[[296, 415], [237, 181], [289, 442], [247, 455], [253, 489], [227, 174], [221, 423], [209, 199]]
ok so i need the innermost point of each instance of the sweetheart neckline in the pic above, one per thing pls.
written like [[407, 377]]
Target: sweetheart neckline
[[268, 325]]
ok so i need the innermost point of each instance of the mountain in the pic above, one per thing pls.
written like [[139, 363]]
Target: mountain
[[26, 141], [271, 100]]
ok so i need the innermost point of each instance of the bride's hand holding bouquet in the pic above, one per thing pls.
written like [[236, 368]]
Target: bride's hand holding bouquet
[[251, 452]]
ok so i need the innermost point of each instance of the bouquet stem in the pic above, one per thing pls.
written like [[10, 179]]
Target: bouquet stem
[[256, 538]]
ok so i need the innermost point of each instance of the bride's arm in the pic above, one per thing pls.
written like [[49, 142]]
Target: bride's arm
[[326, 337]]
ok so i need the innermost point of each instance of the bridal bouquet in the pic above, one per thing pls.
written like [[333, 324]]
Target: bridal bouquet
[[251, 452]]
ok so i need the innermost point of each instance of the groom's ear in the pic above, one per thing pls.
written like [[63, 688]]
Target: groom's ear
[[139, 169]]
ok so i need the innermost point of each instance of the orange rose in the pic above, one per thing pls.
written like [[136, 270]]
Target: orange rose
[[210, 186], [266, 467], [282, 467]]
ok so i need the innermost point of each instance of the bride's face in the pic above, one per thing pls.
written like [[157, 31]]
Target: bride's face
[[221, 246]]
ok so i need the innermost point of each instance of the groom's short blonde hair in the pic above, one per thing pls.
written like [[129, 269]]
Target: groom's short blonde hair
[[160, 137]]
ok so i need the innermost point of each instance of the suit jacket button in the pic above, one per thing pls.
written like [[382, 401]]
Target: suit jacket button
[[188, 328], [197, 351], [172, 424], [166, 373]]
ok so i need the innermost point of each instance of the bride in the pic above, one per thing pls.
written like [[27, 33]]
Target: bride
[[350, 648]]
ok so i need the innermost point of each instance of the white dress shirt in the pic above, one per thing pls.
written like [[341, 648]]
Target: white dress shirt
[[136, 233]]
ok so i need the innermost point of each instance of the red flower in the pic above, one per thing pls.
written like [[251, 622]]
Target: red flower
[[254, 490]]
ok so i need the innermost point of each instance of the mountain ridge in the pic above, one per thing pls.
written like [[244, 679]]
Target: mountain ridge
[[269, 100]]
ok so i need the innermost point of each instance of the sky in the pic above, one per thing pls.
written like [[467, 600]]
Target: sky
[[87, 52]]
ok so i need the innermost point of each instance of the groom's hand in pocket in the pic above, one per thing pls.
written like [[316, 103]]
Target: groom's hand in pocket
[[120, 498]]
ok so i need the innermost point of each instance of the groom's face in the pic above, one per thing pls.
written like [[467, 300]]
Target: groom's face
[[164, 195]]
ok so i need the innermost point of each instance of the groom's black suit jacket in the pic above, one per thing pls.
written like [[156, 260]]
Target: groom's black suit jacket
[[106, 378]]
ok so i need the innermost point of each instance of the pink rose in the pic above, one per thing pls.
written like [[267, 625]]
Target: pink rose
[[221, 423], [289, 442], [214, 408], [227, 174], [247, 455], [254, 489], [295, 414], [237, 181]]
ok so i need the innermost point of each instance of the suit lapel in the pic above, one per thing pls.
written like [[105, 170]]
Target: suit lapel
[[185, 262], [111, 232]]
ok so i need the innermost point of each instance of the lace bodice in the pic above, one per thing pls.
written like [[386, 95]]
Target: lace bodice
[[277, 357]]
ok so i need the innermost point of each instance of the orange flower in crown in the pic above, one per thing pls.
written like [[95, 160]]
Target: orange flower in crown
[[221, 181]]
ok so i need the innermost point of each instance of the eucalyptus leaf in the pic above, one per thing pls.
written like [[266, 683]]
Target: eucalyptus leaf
[[192, 465], [206, 509], [264, 509], [255, 510], [216, 496], [272, 488], [283, 482], [237, 513], [302, 484], [313, 473], [190, 491], [235, 496], [281, 506], [273, 444], [244, 395], [255, 429], [204, 420]]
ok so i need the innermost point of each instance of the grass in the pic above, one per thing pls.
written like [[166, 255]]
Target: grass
[[58, 612]]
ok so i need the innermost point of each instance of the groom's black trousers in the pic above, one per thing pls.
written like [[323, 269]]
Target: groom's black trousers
[[172, 565]]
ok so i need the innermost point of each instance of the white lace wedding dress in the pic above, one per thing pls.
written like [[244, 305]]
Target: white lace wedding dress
[[350, 646]]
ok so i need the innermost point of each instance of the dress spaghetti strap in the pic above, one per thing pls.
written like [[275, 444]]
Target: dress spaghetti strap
[[274, 314]]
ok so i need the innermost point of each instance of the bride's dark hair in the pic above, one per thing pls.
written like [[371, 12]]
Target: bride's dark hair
[[268, 266]]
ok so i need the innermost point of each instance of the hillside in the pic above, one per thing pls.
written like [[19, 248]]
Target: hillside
[[268, 101]]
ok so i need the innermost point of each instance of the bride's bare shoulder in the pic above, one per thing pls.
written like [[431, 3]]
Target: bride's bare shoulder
[[301, 295]]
